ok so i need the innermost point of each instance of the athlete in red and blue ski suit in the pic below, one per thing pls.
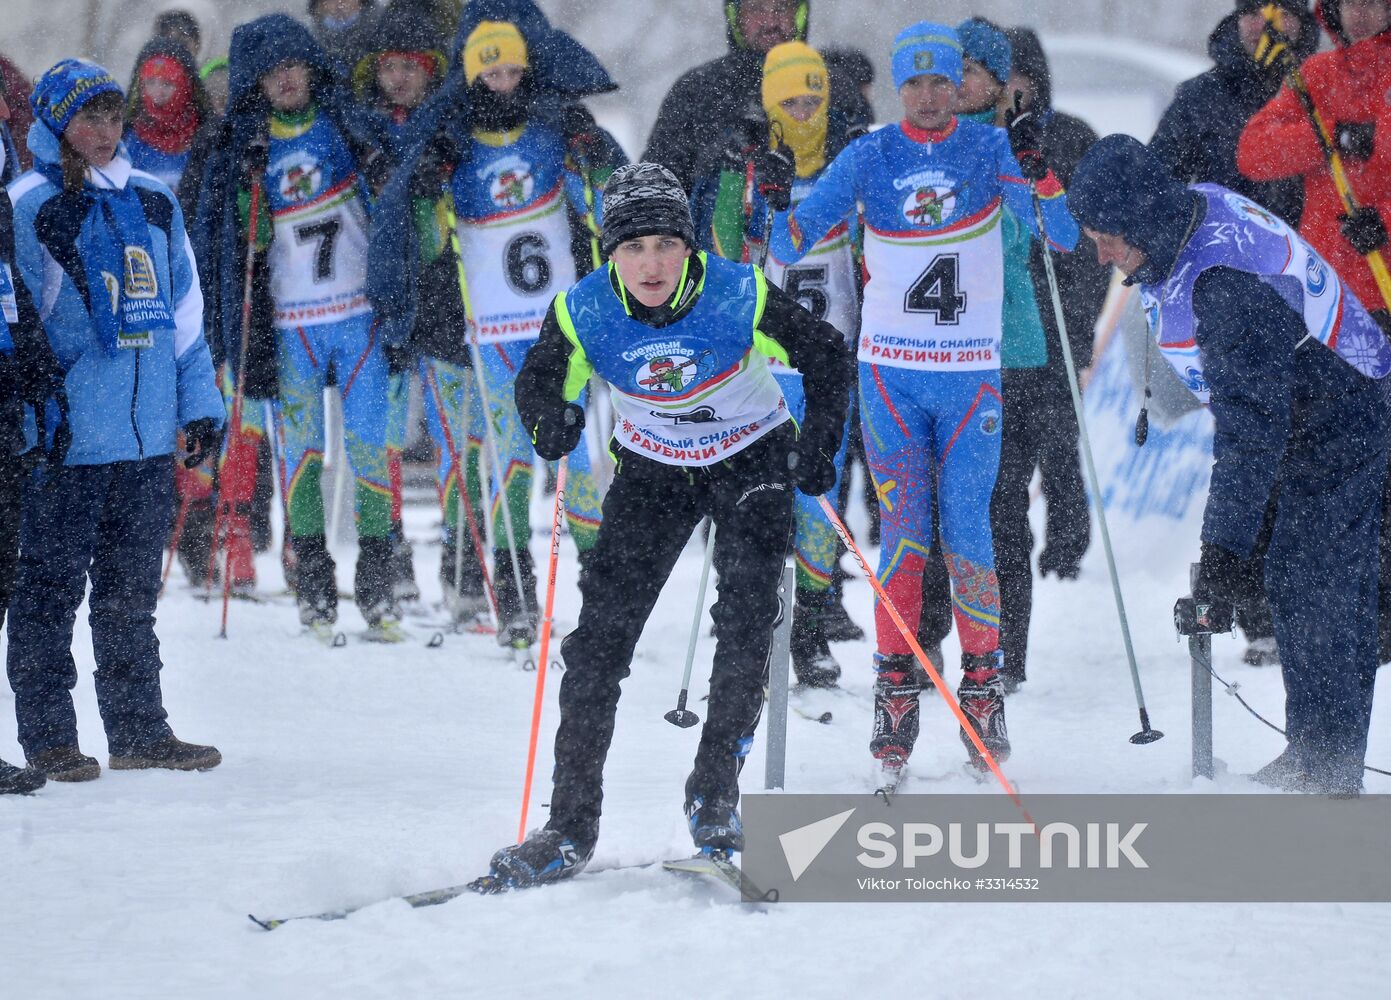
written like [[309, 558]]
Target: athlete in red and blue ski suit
[[929, 346]]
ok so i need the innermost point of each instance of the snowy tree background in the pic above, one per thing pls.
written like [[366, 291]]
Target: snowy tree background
[[645, 46]]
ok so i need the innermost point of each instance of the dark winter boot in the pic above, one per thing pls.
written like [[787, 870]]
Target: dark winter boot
[[545, 856], [196, 543], [172, 754], [837, 624], [316, 583], [373, 581], [66, 764], [895, 713], [1286, 773], [982, 698], [466, 602], [1262, 652], [403, 586], [812, 661], [20, 780], [714, 820], [517, 614]]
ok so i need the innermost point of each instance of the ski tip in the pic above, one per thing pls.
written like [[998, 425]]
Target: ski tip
[[265, 925], [339, 640], [435, 641], [824, 718]]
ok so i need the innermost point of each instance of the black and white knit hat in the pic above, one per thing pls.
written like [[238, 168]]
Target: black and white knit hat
[[644, 199]]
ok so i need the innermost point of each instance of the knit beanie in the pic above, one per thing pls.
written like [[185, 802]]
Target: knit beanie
[[644, 199], [493, 43], [926, 48]]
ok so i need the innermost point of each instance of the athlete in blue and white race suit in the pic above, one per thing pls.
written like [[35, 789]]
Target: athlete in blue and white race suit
[[930, 412], [1294, 371], [518, 194], [311, 315]]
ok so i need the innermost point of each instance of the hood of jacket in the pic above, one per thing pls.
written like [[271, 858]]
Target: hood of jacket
[[559, 64], [731, 24], [261, 45], [173, 50], [402, 30], [1120, 188]]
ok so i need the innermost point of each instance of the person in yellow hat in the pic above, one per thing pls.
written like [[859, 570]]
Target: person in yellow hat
[[800, 122], [521, 184]]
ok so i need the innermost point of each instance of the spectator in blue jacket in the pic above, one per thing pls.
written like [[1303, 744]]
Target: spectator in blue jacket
[[102, 248], [1294, 370]]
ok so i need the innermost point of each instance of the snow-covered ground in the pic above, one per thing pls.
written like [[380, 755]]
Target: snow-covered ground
[[356, 774]]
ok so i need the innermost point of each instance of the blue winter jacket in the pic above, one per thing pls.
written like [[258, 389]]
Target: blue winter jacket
[[1301, 417], [562, 70], [125, 407], [257, 48]]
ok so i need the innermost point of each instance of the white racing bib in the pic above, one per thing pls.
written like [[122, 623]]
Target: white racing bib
[[935, 302], [515, 265], [824, 282], [318, 259]]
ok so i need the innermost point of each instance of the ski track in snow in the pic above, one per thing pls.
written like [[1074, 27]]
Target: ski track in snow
[[360, 773]]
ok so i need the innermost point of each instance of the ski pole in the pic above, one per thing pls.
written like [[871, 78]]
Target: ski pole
[[1275, 46], [679, 716], [1147, 734], [917, 649], [483, 399], [224, 518], [546, 624], [464, 510]]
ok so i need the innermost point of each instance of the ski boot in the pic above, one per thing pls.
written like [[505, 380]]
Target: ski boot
[[316, 584], [518, 616], [404, 589], [1262, 652], [714, 823], [812, 661], [466, 602], [982, 698], [895, 715], [545, 856], [836, 623], [372, 589]]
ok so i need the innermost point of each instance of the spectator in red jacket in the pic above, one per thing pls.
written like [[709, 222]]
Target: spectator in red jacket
[[1348, 86]]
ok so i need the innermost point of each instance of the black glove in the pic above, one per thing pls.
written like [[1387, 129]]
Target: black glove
[[37, 374], [558, 431], [1224, 575], [1063, 564], [812, 465], [202, 438], [582, 136], [376, 170], [1356, 140], [775, 171], [398, 358], [1364, 229], [436, 165], [255, 158], [743, 141], [1025, 130]]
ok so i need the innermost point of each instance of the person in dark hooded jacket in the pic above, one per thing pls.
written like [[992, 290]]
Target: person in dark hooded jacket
[[345, 28], [404, 66], [1294, 371], [711, 100], [1197, 137], [503, 151], [298, 149]]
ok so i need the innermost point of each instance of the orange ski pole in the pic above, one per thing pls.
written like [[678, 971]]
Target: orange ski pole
[[543, 660], [912, 641]]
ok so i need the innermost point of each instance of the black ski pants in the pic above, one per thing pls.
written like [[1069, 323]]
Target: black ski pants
[[649, 513]]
